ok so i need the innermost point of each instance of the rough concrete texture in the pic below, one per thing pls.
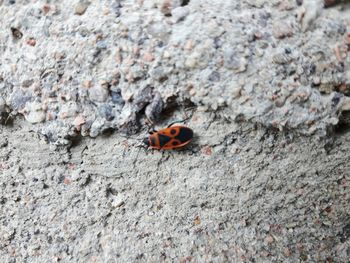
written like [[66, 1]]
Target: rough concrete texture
[[87, 66], [255, 77], [254, 197]]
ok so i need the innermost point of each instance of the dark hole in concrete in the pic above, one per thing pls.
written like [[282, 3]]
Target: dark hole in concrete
[[75, 140], [107, 132], [7, 119], [173, 105], [185, 2], [342, 128], [344, 123]]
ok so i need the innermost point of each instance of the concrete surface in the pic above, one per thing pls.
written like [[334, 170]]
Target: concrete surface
[[265, 84], [256, 196]]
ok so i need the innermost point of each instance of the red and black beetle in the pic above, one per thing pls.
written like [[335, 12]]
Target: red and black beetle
[[172, 137]]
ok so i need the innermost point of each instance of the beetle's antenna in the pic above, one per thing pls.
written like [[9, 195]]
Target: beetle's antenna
[[171, 124]]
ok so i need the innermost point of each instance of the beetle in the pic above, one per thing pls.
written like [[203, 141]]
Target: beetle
[[172, 137]]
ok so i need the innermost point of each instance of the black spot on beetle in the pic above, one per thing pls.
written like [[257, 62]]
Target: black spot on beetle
[[163, 140], [172, 131], [185, 134]]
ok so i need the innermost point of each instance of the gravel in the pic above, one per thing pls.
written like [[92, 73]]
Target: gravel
[[269, 62]]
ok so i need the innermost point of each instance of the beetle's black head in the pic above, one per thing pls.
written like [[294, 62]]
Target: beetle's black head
[[146, 141]]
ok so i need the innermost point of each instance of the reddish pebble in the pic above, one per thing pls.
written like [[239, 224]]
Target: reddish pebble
[[46, 8], [328, 209], [71, 166], [31, 42], [287, 252], [67, 181], [197, 220], [148, 57], [207, 150], [269, 239], [186, 259]]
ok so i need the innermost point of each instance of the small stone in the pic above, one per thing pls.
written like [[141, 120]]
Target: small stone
[[233, 61], [236, 92], [78, 121], [192, 92], [178, 14], [345, 105], [282, 29], [81, 7], [67, 181], [197, 220], [106, 112], [207, 150], [31, 42], [156, 107], [287, 252], [189, 45], [281, 58], [280, 101], [34, 113], [118, 202], [98, 94], [159, 74], [158, 30], [96, 127], [333, 120], [127, 95], [168, 5], [308, 13], [143, 98], [148, 57], [326, 88], [87, 84], [344, 88], [35, 116], [27, 83], [221, 102], [117, 97], [316, 80], [214, 76], [285, 5], [191, 62], [46, 8], [166, 54], [269, 239]]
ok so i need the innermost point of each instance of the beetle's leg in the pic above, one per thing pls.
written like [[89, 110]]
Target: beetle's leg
[[164, 158], [152, 130], [189, 108]]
